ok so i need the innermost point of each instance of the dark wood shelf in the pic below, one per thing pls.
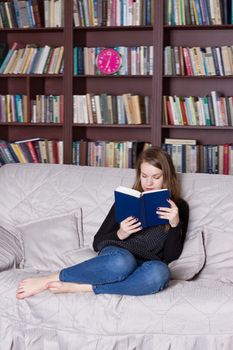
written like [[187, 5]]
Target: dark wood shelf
[[113, 28], [32, 30], [128, 126], [31, 75], [204, 127], [12, 124], [113, 76], [198, 27], [199, 76]]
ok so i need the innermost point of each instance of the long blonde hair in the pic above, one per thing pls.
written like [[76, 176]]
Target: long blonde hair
[[160, 159]]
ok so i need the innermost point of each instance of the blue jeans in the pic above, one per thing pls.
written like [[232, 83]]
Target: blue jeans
[[116, 271]]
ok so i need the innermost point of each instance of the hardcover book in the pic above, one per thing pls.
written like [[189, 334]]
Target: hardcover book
[[141, 205]]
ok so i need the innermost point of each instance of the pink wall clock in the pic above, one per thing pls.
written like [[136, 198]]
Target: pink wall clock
[[108, 61]]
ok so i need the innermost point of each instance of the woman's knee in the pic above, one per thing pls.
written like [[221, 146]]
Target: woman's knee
[[122, 261], [156, 277]]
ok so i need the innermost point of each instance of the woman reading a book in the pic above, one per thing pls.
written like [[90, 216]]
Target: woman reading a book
[[131, 260]]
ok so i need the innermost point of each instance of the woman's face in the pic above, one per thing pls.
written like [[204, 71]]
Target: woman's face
[[151, 177]]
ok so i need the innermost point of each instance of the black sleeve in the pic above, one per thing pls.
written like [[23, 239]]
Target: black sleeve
[[176, 236], [108, 229]]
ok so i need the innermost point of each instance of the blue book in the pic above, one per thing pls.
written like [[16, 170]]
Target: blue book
[[17, 14], [30, 14], [75, 61], [141, 205]]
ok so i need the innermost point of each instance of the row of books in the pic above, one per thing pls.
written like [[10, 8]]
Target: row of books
[[135, 60], [53, 13], [13, 108], [28, 14], [210, 110], [198, 12], [205, 61], [47, 109], [189, 157], [108, 153], [31, 151], [31, 59], [113, 13], [111, 109]]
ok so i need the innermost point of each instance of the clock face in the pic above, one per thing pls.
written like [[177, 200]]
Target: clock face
[[108, 61]]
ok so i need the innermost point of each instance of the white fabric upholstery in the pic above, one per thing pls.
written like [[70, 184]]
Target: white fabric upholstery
[[219, 254], [192, 258], [46, 242], [192, 315]]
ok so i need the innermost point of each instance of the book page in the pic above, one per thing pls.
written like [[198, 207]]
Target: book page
[[153, 191], [129, 191]]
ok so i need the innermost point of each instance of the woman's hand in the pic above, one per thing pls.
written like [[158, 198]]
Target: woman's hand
[[171, 214], [128, 226]]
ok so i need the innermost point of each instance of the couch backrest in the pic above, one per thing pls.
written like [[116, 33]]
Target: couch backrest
[[33, 191], [210, 198], [30, 192]]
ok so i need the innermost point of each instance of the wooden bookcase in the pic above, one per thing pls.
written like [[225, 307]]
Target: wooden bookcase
[[201, 36], [154, 86], [33, 84]]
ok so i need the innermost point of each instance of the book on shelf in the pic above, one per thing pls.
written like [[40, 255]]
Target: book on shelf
[[31, 13], [108, 153], [210, 110], [193, 158], [47, 109], [53, 13], [180, 141], [35, 150], [29, 146], [112, 13], [198, 12], [13, 108], [198, 61], [141, 205], [31, 59], [5, 154], [110, 109]]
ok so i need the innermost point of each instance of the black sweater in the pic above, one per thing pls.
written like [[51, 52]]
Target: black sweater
[[172, 241]]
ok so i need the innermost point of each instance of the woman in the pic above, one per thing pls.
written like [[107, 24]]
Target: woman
[[131, 260]]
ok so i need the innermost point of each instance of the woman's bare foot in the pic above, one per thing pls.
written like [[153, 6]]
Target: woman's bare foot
[[66, 287], [33, 286]]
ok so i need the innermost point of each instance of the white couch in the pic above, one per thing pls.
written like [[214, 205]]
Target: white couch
[[48, 216]]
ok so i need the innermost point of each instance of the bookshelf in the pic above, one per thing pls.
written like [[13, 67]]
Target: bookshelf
[[155, 86], [201, 36], [67, 84], [113, 36], [213, 34], [212, 137]]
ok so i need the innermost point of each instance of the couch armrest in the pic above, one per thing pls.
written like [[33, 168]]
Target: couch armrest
[[11, 251]]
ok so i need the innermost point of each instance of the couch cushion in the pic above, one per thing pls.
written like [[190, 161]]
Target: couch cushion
[[209, 198], [219, 254], [11, 248], [46, 242], [192, 258], [178, 318]]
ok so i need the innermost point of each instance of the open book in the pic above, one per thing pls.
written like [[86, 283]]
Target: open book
[[141, 205]]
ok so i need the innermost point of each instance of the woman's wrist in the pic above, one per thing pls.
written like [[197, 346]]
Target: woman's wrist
[[121, 235], [174, 224]]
